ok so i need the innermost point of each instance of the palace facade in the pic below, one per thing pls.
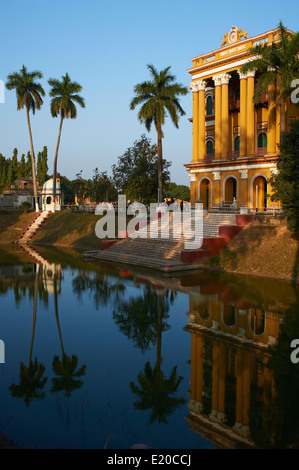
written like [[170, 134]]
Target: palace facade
[[235, 143]]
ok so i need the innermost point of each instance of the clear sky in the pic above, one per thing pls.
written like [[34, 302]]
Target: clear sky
[[105, 46]]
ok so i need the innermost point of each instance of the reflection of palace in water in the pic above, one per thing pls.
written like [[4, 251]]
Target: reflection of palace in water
[[232, 323], [229, 374]]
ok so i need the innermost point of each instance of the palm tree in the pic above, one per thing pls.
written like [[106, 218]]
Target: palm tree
[[64, 95], [157, 98], [276, 65], [29, 95]]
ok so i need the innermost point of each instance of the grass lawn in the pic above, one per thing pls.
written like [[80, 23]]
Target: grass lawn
[[70, 229], [261, 251], [12, 224]]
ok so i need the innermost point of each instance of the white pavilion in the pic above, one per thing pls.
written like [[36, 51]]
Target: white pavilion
[[47, 196]]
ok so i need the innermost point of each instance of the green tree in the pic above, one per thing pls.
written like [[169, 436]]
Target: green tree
[[177, 191], [29, 96], [136, 172], [276, 64], [28, 168], [80, 186], [103, 188], [14, 164], [159, 98], [42, 166], [64, 96], [9, 172], [22, 167], [67, 189], [286, 182], [2, 170]]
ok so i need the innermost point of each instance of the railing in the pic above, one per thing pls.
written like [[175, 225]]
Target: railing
[[260, 152], [233, 155], [76, 208], [209, 157]]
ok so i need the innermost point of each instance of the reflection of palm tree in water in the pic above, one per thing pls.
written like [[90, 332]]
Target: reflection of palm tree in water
[[154, 390], [66, 367], [31, 377]]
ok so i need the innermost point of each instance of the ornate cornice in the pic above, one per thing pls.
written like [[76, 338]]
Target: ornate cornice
[[229, 163]]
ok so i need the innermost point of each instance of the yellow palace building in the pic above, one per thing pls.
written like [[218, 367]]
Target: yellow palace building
[[235, 144]]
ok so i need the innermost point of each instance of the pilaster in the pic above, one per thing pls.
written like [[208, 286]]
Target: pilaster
[[243, 114], [225, 77], [250, 115], [218, 116]]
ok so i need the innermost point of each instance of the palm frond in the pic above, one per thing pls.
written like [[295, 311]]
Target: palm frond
[[64, 94]]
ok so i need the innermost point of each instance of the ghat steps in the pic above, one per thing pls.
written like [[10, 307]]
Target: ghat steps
[[166, 253], [31, 230]]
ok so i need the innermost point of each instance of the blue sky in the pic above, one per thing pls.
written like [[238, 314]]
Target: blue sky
[[105, 46]]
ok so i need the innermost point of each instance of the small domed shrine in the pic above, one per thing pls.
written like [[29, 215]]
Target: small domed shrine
[[47, 196]]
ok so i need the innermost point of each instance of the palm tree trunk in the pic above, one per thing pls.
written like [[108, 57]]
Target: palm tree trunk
[[55, 163], [32, 162], [160, 168], [282, 120]]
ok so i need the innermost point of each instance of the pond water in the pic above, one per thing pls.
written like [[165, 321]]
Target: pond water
[[100, 356]]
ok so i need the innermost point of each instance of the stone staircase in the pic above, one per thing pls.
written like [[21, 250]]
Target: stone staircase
[[152, 253], [212, 221], [169, 254], [31, 230]]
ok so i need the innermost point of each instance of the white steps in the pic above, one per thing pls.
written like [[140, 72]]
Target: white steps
[[28, 234], [158, 253]]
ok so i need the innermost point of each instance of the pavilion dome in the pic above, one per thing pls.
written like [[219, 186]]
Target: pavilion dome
[[48, 187]]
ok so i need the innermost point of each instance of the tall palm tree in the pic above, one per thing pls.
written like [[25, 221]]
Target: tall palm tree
[[277, 65], [158, 98], [64, 95], [29, 96]]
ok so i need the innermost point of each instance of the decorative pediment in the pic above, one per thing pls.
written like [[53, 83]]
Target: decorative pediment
[[235, 35]]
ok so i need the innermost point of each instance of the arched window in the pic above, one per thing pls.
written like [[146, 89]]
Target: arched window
[[229, 315], [237, 144], [210, 147], [257, 322], [209, 105], [49, 200], [262, 140]]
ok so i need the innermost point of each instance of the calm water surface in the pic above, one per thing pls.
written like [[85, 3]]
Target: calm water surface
[[103, 356]]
